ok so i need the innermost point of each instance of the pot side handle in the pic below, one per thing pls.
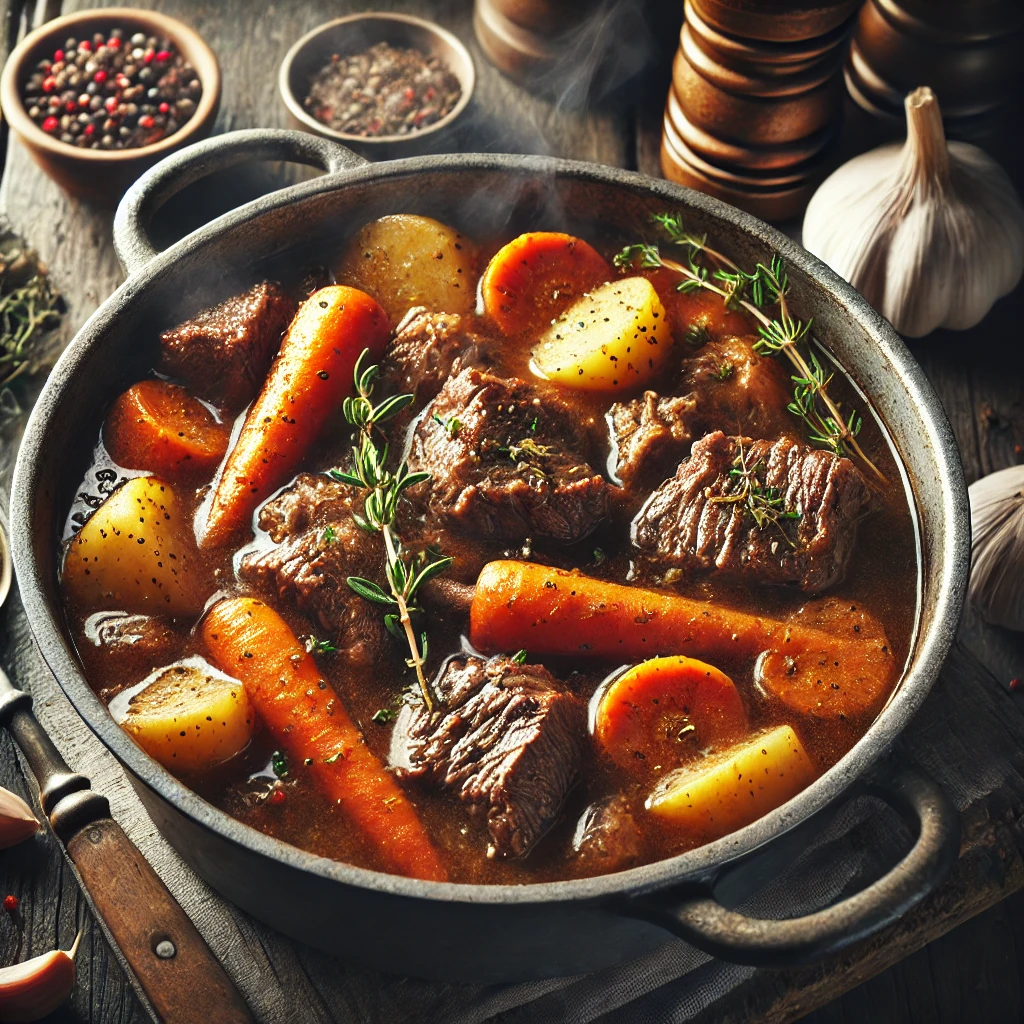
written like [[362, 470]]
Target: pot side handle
[[136, 210], [703, 922]]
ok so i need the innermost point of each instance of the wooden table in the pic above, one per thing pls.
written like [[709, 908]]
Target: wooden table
[[969, 728]]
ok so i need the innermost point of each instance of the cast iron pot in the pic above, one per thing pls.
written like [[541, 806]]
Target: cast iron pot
[[494, 933]]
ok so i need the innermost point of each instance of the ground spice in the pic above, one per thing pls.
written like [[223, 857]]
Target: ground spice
[[383, 91], [105, 93]]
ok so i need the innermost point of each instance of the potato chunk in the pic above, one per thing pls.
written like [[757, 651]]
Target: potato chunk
[[738, 786], [614, 337], [188, 716], [404, 260], [136, 553]]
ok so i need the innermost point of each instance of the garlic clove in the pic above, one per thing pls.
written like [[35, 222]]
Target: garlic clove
[[930, 233], [996, 587], [17, 822], [36, 987]]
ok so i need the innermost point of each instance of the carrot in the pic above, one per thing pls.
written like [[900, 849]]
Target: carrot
[[826, 672], [307, 382], [536, 277], [661, 713], [250, 641], [160, 427]]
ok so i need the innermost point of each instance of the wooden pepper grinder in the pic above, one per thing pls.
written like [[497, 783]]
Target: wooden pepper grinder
[[756, 100], [967, 51]]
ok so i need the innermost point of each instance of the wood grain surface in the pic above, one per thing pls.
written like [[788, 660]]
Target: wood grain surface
[[969, 728]]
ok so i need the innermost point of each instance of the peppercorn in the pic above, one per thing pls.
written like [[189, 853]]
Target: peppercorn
[[11, 904], [104, 83], [277, 796]]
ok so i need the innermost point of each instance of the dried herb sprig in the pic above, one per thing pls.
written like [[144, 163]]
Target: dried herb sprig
[[767, 285], [406, 571], [29, 307]]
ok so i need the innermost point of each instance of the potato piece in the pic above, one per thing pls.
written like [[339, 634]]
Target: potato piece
[[188, 716], [136, 553], [617, 336], [731, 790], [404, 260]]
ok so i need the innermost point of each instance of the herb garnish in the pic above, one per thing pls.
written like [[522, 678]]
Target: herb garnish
[[405, 571], [279, 764], [384, 715], [724, 371], [329, 535], [453, 424], [29, 307], [317, 646], [767, 285], [519, 657]]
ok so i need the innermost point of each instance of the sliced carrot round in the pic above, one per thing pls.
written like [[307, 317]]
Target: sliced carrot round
[[536, 277], [660, 714], [160, 427]]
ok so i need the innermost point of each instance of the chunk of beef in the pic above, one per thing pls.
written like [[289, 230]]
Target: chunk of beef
[[506, 463], [765, 511], [650, 435], [726, 386], [736, 390], [425, 348], [607, 837], [121, 649], [317, 547], [507, 739], [223, 354]]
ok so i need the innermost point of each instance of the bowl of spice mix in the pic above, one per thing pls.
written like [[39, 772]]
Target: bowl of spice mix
[[383, 84], [99, 96]]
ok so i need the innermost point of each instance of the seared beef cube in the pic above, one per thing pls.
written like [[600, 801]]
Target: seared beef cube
[[607, 837], [506, 738], [318, 546], [736, 390], [121, 649], [224, 353], [650, 435], [506, 463], [425, 347], [763, 511]]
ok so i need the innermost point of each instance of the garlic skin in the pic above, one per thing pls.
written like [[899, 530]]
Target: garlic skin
[[34, 988], [996, 587], [17, 822], [930, 233]]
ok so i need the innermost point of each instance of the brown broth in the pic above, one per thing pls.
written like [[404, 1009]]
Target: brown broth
[[882, 578]]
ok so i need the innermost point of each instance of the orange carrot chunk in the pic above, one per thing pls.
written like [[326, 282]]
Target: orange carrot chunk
[[306, 384], [160, 427], [536, 277], [813, 669], [250, 641], [662, 713]]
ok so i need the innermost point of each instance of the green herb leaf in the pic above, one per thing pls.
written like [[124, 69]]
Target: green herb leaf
[[519, 657], [369, 590], [384, 715], [279, 764]]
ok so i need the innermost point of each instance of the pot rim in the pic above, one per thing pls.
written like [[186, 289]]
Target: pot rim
[[933, 640]]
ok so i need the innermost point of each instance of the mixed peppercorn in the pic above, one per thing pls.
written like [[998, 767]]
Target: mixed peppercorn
[[110, 93], [382, 91]]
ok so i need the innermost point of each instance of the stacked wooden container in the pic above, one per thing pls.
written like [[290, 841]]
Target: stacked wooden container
[[756, 100]]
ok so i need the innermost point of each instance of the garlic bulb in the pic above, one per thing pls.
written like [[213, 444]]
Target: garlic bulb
[[930, 233], [996, 589]]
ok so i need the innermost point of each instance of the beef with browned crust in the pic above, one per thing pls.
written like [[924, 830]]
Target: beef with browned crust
[[706, 516], [317, 547], [507, 738], [507, 463], [223, 353]]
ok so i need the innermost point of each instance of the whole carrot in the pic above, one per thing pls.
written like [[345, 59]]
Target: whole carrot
[[250, 641], [307, 382], [837, 672]]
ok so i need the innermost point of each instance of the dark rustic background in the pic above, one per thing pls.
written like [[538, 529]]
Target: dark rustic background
[[957, 958]]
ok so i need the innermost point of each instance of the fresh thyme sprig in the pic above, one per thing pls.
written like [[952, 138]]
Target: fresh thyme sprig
[[406, 572], [767, 285], [766, 505]]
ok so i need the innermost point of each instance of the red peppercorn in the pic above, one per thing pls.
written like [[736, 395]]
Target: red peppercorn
[[146, 121], [113, 43], [163, 55], [277, 796], [89, 129], [11, 904], [58, 55], [164, 108], [49, 83], [1014, 684], [148, 56], [50, 124], [111, 104], [410, 93], [71, 106], [100, 77], [85, 46]]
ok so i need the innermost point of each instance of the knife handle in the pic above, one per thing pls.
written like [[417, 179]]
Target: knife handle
[[179, 975]]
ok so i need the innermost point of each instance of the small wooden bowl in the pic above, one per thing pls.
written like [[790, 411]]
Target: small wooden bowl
[[358, 32], [103, 176]]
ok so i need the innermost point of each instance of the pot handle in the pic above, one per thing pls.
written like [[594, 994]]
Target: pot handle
[[703, 922], [136, 210]]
